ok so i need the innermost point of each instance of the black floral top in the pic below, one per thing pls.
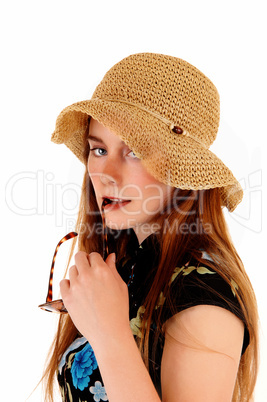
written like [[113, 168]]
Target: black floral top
[[78, 372]]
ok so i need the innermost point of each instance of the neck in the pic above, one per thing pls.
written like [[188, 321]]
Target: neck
[[144, 231]]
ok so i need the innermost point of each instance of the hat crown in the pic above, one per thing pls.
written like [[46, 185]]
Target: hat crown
[[168, 86]]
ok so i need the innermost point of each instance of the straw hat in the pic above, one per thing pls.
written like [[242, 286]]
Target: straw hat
[[167, 112]]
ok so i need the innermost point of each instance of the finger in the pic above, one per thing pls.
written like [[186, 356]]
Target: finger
[[73, 273], [95, 259], [81, 261], [64, 287], [111, 262]]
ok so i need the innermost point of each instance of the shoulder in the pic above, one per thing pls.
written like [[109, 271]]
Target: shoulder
[[207, 328], [204, 334], [201, 284], [203, 344]]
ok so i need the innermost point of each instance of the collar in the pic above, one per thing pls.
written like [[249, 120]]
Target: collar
[[149, 244], [144, 256]]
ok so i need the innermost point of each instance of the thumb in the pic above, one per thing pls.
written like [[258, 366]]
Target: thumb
[[110, 261], [111, 257]]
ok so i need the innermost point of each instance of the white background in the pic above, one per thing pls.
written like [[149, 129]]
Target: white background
[[54, 53]]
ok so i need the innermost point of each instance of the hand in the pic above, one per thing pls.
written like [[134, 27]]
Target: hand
[[96, 297]]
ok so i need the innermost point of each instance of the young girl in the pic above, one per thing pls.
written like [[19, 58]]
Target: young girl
[[169, 314]]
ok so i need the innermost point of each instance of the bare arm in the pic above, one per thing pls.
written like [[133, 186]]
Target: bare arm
[[201, 355], [123, 371], [97, 301]]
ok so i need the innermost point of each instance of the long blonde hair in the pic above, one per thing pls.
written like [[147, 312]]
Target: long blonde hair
[[206, 205]]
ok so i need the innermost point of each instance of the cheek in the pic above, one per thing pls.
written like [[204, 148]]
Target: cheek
[[152, 187], [90, 166], [92, 171], [155, 196], [96, 186]]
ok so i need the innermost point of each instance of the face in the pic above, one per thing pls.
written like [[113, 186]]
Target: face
[[119, 176]]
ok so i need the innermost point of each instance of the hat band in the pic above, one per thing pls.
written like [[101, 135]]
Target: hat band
[[158, 116]]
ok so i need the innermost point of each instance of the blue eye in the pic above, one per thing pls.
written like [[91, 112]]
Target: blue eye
[[98, 151], [131, 154]]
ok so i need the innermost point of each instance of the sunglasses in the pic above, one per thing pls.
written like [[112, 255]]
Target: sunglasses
[[57, 306]]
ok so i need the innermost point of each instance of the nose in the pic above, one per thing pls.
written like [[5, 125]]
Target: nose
[[111, 173], [107, 179]]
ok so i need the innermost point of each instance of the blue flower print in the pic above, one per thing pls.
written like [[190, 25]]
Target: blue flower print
[[99, 392], [82, 367], [78, 342]]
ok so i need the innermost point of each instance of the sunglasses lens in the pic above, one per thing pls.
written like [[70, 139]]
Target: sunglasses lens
[[55, 306]]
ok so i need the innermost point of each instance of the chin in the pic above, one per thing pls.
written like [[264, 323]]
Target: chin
[[118, 225]]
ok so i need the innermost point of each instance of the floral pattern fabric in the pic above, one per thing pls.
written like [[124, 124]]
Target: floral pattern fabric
[[191, 284], [77, 370], [83, 365]]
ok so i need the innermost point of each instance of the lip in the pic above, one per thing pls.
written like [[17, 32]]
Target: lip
[[115, 198], [115, 203]]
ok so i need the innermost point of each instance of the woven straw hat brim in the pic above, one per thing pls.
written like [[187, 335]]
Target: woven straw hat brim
[[176, 160]]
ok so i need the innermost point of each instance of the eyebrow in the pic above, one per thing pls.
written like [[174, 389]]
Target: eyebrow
[[98, 139], [94, 138]]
